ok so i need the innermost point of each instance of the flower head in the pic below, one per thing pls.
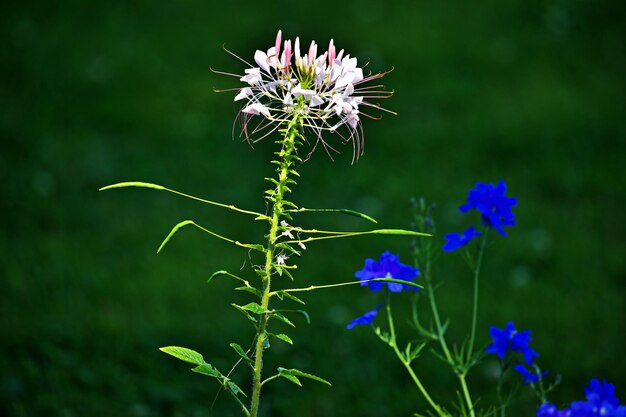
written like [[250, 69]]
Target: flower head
[[510, 340], [455, 240], [389, 266], [326, 91], [494, 206], [366, 318]]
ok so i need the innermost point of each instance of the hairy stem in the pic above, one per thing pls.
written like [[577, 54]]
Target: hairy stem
[[287, 156]]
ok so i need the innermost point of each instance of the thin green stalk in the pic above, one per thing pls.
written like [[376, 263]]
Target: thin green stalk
[[481, 251], [289, 145], [443, 343], [466, 394], [407, 364], [433, 306]]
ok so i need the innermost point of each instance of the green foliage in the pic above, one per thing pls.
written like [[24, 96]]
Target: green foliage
[[184, 354], [293, 374]]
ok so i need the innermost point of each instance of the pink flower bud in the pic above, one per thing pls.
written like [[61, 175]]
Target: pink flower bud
[[279, 37], [332, 53]]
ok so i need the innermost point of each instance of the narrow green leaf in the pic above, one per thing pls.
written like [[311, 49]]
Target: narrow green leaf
[[235, 388], [287, 375], [245, 313], [173, 232], [397, 281], [254, 308], [398, 232], [254, 246], [250, 290], [184, 354], [295, 372], [282, 337], [282, 318], [241, 352], [133, 184], [222, 272], [282, 294], [288, 248], [282, 271], [303, 314], [207, 369]]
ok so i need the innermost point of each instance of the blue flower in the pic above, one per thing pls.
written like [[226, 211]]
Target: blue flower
[[366, 318], [455, 240], [528, 376], [601, 402], [598, 393], [389, 266], [509, 339], [494, 206], [547, 410]]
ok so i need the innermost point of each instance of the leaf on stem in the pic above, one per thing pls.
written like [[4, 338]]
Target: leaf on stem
[[292, 374], [284, 294], [133, 184], [282, 318], [241, 352], [253, 308], [173, 232], [184, 354], [245, 313], [282, 337], [208, 370]]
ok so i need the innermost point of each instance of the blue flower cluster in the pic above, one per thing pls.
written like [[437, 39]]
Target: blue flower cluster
[[389, 266], [494, 206], [601, 402], [509, 340]]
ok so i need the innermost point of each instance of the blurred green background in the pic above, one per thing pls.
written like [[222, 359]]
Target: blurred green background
[[94, 93]]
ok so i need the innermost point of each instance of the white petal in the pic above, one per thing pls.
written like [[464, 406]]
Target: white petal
[[316, 101], [260, 58], [298, 91], [257, 108], [243, 93]]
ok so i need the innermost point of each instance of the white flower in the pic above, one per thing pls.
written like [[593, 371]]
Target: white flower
[[324, 90], [257, 108], [280, 260]]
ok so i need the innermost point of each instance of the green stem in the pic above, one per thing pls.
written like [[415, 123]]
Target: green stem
[[466, 394], [342, 284], [481, 251], [433, 306], [407, 363], [287, 155]]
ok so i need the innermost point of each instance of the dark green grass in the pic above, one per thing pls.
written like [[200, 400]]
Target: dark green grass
[[91, 94]]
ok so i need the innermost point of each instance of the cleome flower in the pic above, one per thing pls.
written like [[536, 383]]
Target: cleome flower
[[389, 266], [325, 91]]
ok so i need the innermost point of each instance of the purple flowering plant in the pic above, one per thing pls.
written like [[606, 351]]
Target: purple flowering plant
[[303, 99]]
